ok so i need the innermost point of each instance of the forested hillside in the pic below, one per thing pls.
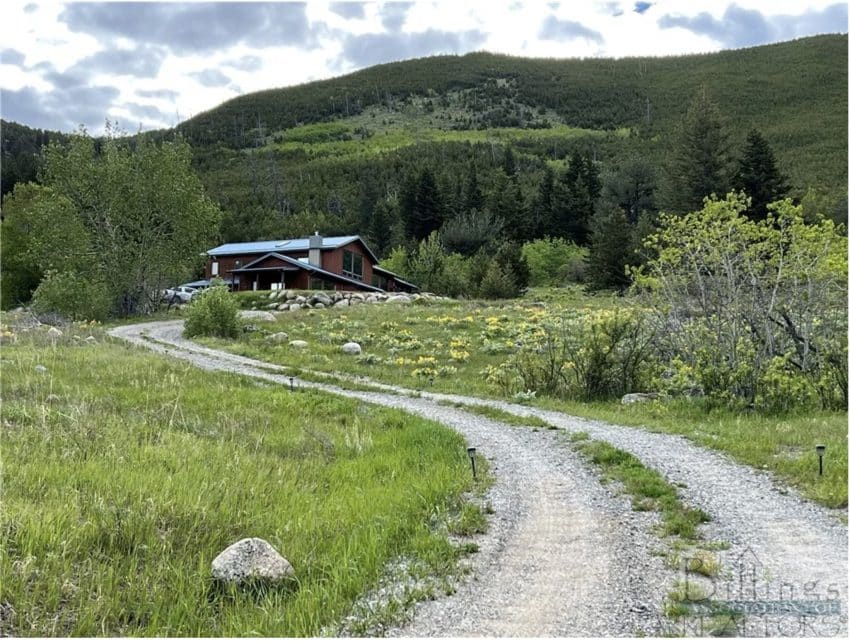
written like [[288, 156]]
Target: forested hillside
[[483, 147]]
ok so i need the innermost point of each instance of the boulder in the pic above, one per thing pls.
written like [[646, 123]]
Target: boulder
[[341, 303], [371, 299], [321, 298], [298, 344], [352, 348], [630, 399], [263, 316], [91, 339], [278, 338], [251, 559], [318, 305], [300, 299], [283, 307], [294, 306], [250, 328], [54, 333], [41, 368], [273, 305], [399, 299]]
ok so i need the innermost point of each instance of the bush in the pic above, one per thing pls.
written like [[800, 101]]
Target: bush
[[603, 354], [553, 261], [498, 283], [72, 296], [214, 312]]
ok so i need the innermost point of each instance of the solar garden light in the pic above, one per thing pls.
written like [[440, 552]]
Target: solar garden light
[[291, 383], [820, 449], [471, 452]]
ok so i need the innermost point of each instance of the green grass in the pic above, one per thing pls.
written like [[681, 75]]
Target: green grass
[[412, 346], [648, 489], [500, 416], [124, 474]]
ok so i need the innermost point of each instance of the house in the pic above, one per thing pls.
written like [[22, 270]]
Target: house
[[315, 263]]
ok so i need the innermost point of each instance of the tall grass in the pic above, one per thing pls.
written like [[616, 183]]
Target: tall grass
[[399, 341], [124, 474]]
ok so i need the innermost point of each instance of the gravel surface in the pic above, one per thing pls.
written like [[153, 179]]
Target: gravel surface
[[565, 557]]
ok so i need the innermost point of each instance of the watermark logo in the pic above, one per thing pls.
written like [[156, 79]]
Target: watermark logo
[[745, 601]]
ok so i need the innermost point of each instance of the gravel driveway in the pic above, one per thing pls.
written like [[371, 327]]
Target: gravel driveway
[[566, 557]]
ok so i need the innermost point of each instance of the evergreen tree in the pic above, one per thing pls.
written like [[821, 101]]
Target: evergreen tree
[[472, 198], [541, 223], [427, 213], [700, 163], [367, 198], [631, 186], [506, 204], [758, 176], [509, 162], [610, 250]]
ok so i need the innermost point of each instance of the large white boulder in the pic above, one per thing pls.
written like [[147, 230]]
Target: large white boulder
[[351, 348], [251, 559], [263, 316]]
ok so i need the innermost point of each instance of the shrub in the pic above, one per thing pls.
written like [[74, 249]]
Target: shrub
[[552, 261], [72, 296], [214, 312], [498, 283], [603, 354]]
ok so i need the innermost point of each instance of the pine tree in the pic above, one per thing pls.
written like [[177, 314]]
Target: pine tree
[[427, 212], [472, 198], [610, 251], [758, 176], [541, 214], [700, 162]]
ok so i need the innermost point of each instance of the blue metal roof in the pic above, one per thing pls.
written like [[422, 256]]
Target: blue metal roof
[[278, 246]]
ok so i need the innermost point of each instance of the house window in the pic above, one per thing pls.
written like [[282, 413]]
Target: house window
[[318, 284], [352, 265], [214, 270], [380, 281]]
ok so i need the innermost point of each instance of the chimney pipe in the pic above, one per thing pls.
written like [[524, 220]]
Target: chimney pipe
[[314, 254]]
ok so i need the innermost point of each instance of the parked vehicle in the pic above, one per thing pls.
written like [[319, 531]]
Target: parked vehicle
[[179, 294]]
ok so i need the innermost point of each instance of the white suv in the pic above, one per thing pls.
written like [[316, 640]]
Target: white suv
[[179, 294]]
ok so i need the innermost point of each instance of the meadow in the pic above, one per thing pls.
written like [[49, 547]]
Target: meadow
[[460, 347], [125, 474]]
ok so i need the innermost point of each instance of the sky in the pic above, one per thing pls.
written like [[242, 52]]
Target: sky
[[148, 65]]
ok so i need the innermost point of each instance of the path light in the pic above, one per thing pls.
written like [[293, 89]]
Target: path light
[[471, 452], [291, 383], [820, 449]]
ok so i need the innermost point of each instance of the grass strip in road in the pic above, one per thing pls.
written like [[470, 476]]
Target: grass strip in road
[[498, 415], [125, 473], [649, 490]]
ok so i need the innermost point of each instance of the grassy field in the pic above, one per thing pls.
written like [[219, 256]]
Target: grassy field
[[124, 474], [449, 346]]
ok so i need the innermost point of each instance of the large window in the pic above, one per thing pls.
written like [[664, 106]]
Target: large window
[[352, 265]]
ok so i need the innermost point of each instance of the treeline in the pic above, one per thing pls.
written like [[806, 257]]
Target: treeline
[[20, 151]]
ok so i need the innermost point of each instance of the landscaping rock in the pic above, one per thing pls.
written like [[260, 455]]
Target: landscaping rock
[[399, 299], [279, 337], [298, 344], [283, 307], [54, 333], [295, 307], [300, 299], [251, 559], [91, 339], [250, 328], [630, 399], [321, 298], [318, 305], [351, 347], [341, 303], [263, 316]]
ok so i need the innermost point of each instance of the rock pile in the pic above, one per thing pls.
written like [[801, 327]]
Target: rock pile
[[288, 300]]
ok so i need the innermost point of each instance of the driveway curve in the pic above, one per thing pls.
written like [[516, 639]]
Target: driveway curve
[[565, 556]]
